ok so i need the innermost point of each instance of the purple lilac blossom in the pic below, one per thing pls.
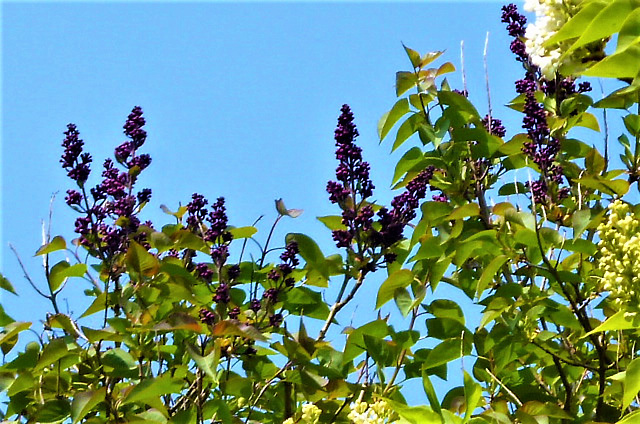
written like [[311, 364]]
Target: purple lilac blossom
[[207, 317], [542, 148], [495, 128], [76, 163]]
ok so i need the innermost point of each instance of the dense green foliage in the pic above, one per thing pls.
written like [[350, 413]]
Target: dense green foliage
[[195, 332]]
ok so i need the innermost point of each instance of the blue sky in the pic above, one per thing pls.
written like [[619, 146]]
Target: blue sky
[[241, 101]]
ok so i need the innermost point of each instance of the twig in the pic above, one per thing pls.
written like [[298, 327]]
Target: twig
[[506, 389], [340, 303], [266, 386], [26, 274], [486, 76], [464, 75]]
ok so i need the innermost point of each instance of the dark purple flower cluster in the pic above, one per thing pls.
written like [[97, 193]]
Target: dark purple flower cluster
[[255, 305], [516, 27], [217, 219], [133, 127], [440, 198], [113, 197], [203, 271], [271, 295], [464, 93], [233, 272], [275, 320], [495, 127], [542, 148], [196, 210], [74, 161], [564, 88], [234, 313], [207, 317], [352, 172], [351, 191], [222, 294]]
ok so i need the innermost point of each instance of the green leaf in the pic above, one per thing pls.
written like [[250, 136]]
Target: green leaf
[[632, 418], [11, 330], [415, 414], [243, 232], [399, 279], [429, 57], [99, 304], [154, 387], [579, 221], [403, 300], [631, 383], [445, 308], [472, 394], [53, 411], [470, 209], [608, 21], [305, 302], [405, 81], [621, 320], [625, 64], [632, 123], [332, 222], [65, 322], [4, 318], [222, 412], [630, 31], [447, 351], [63, 270], [355, 342], [84, 402], [407, 162], [390, 118], [141, 261], [575, 27], [414, 56], [310, 252], [588, 120], [282, 210], [179, 214], [594, 162], [512, 188], [119, 360], [6, 285], [407, 129], [236, 328], [430, 392], [160, 241], [489, 273], [55, 350], [57, 243]]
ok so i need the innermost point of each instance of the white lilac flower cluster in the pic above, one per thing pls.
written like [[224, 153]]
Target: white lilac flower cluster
[[550, 16], [620, 254], [374, 413], [310, 415]]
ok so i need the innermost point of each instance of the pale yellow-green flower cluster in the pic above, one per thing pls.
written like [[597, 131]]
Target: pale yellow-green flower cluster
[[310, 415], [373, 413], [550, 16], [620, 253]]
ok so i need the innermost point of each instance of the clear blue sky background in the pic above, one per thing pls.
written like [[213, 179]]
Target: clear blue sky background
[[241, 101]]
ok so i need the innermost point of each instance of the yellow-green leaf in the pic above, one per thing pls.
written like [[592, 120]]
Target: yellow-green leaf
[[58, 243]]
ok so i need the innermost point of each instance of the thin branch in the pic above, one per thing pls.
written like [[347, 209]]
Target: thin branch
[[464, 75], [486, 76], [340, 303], [266, 386], [506, 389], [26, 274]]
